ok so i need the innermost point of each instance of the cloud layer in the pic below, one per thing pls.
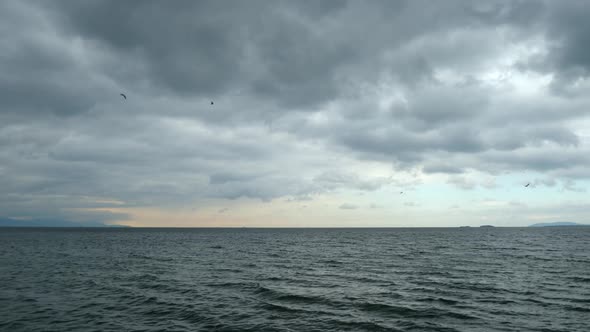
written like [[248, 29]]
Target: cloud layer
[[310, 98]]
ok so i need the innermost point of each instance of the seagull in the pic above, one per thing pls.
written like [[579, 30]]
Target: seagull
[[401, 192], [211, 103], [123, 95], [527, 185]]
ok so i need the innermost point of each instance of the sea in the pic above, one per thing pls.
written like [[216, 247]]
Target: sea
[[249, 279]]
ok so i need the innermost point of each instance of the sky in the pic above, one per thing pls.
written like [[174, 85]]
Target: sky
[[324, 112]]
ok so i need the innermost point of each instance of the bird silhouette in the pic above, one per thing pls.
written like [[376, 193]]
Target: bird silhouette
[[527, 185], [123, 95], [211, 103]]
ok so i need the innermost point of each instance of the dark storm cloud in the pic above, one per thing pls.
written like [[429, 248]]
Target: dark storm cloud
[[295, 53], [182, 46], [205, 48], [39, 75], [301, 89], [568, 26], [567, 57]]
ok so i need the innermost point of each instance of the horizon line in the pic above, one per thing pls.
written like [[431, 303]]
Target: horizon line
[[281, 227]]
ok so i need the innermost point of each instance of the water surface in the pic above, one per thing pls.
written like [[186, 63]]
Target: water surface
[[467, 279]]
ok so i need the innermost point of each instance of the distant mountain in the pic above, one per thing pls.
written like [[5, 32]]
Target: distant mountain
[[9, 222], [556, 224]]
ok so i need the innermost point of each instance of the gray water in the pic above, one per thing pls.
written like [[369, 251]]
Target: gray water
[[470, 279]]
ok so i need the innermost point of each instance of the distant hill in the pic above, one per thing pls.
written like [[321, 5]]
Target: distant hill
[[557, 224], [9, 222]]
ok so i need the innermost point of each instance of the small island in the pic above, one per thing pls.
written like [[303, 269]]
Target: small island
[[486, 226]]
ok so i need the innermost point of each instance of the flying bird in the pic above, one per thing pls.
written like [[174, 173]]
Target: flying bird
[[401, 192], [211, 103], [123, 95], [527, 185]]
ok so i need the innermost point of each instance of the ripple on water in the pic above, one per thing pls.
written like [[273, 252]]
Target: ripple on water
[[292, 280]]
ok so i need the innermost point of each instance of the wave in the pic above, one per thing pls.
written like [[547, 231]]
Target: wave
[[408, 312], [377, 281], [290, 297]]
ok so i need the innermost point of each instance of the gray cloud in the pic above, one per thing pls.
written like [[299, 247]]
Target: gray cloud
[[420, 86], [461, 182], [328, 181], [437, 167], [348, 206], [566, 24]]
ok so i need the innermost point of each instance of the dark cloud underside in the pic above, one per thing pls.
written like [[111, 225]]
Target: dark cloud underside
[[302, 91]]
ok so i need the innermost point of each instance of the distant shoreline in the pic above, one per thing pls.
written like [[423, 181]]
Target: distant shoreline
[[260, 227], [558, 224]]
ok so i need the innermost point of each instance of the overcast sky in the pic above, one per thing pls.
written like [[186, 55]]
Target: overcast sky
[[324, 112]]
